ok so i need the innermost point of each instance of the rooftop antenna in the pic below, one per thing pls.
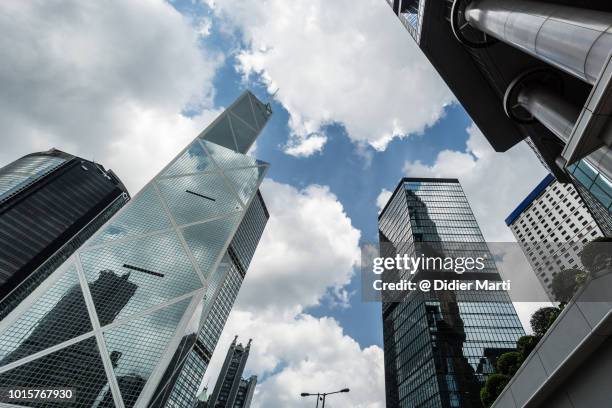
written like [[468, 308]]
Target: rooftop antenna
[[274, 94]]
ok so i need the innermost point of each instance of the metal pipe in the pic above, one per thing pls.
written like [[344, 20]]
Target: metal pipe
[[550, 109], [575, 40]]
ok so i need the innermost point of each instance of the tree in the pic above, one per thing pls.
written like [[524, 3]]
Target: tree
[[493, 387], [508, 363], [596, 255], [565, 284], [542, 319], [525, 345]]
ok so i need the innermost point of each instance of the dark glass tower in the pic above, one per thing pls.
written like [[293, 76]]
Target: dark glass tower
[[181, 381], [50, 203], [231, 390], [440, 346]]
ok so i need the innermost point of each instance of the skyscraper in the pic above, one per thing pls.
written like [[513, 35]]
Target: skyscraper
[[530, 69], [440, 346], [50, 203], [551, 225], [145, 278], [231, 390], [184, 375]]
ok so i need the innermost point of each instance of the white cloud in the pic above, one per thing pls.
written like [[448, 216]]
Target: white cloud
[[494, 182], [309, 245], [338, 61], [306, 146], [308, 250], [302, 353], [383, 198], [106, 81]]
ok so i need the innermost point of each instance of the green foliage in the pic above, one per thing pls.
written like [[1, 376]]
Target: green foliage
[[509, 363], [493, 387], [525, 345], [565, 284], [581, 278], [595, 255], [542, 319]]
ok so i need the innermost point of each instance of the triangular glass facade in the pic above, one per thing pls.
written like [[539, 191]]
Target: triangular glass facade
[[145, 214], [57, 316], [109, 320]]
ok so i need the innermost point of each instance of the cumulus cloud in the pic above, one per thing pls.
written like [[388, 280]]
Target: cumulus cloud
[[309, 245], [308, 250], [305, 354], [337, 62], [495, 183], [106, 81], [383, 198]]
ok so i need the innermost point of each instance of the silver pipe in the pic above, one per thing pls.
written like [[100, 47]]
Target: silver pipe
[[575, 40], [550, 109]]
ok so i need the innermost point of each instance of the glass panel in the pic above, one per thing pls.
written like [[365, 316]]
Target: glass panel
[[216, 279], [582, 178], [228, 159], [136, 347], [129, 277], [198, 198], [604, 184], [227, 275], [78, 367], [221, 134], [57, 316], [245, 136], [262, 112], [601, 195], [25, 170], [587, 169], [206, 240], [246, 181], [244, 111], [143, 214], [194, 160]]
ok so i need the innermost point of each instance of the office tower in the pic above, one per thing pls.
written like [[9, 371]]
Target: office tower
[[440, 346], [50, 203], [144, 278], [184, 375], [551, 225], [530, 69], [231, 390]]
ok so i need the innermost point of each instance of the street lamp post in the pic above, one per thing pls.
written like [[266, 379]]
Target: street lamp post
[[323, 395]]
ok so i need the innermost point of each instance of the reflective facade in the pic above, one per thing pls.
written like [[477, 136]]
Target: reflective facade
[[184, 375], [596, 191], [440, 346], [50, 204], [110, 319]]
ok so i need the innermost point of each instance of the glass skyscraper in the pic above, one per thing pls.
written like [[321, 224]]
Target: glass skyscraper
[[183, 377], [440, 346], [110, 320], [50, 204]]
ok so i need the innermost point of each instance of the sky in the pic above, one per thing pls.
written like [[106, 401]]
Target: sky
[[356, 107]]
